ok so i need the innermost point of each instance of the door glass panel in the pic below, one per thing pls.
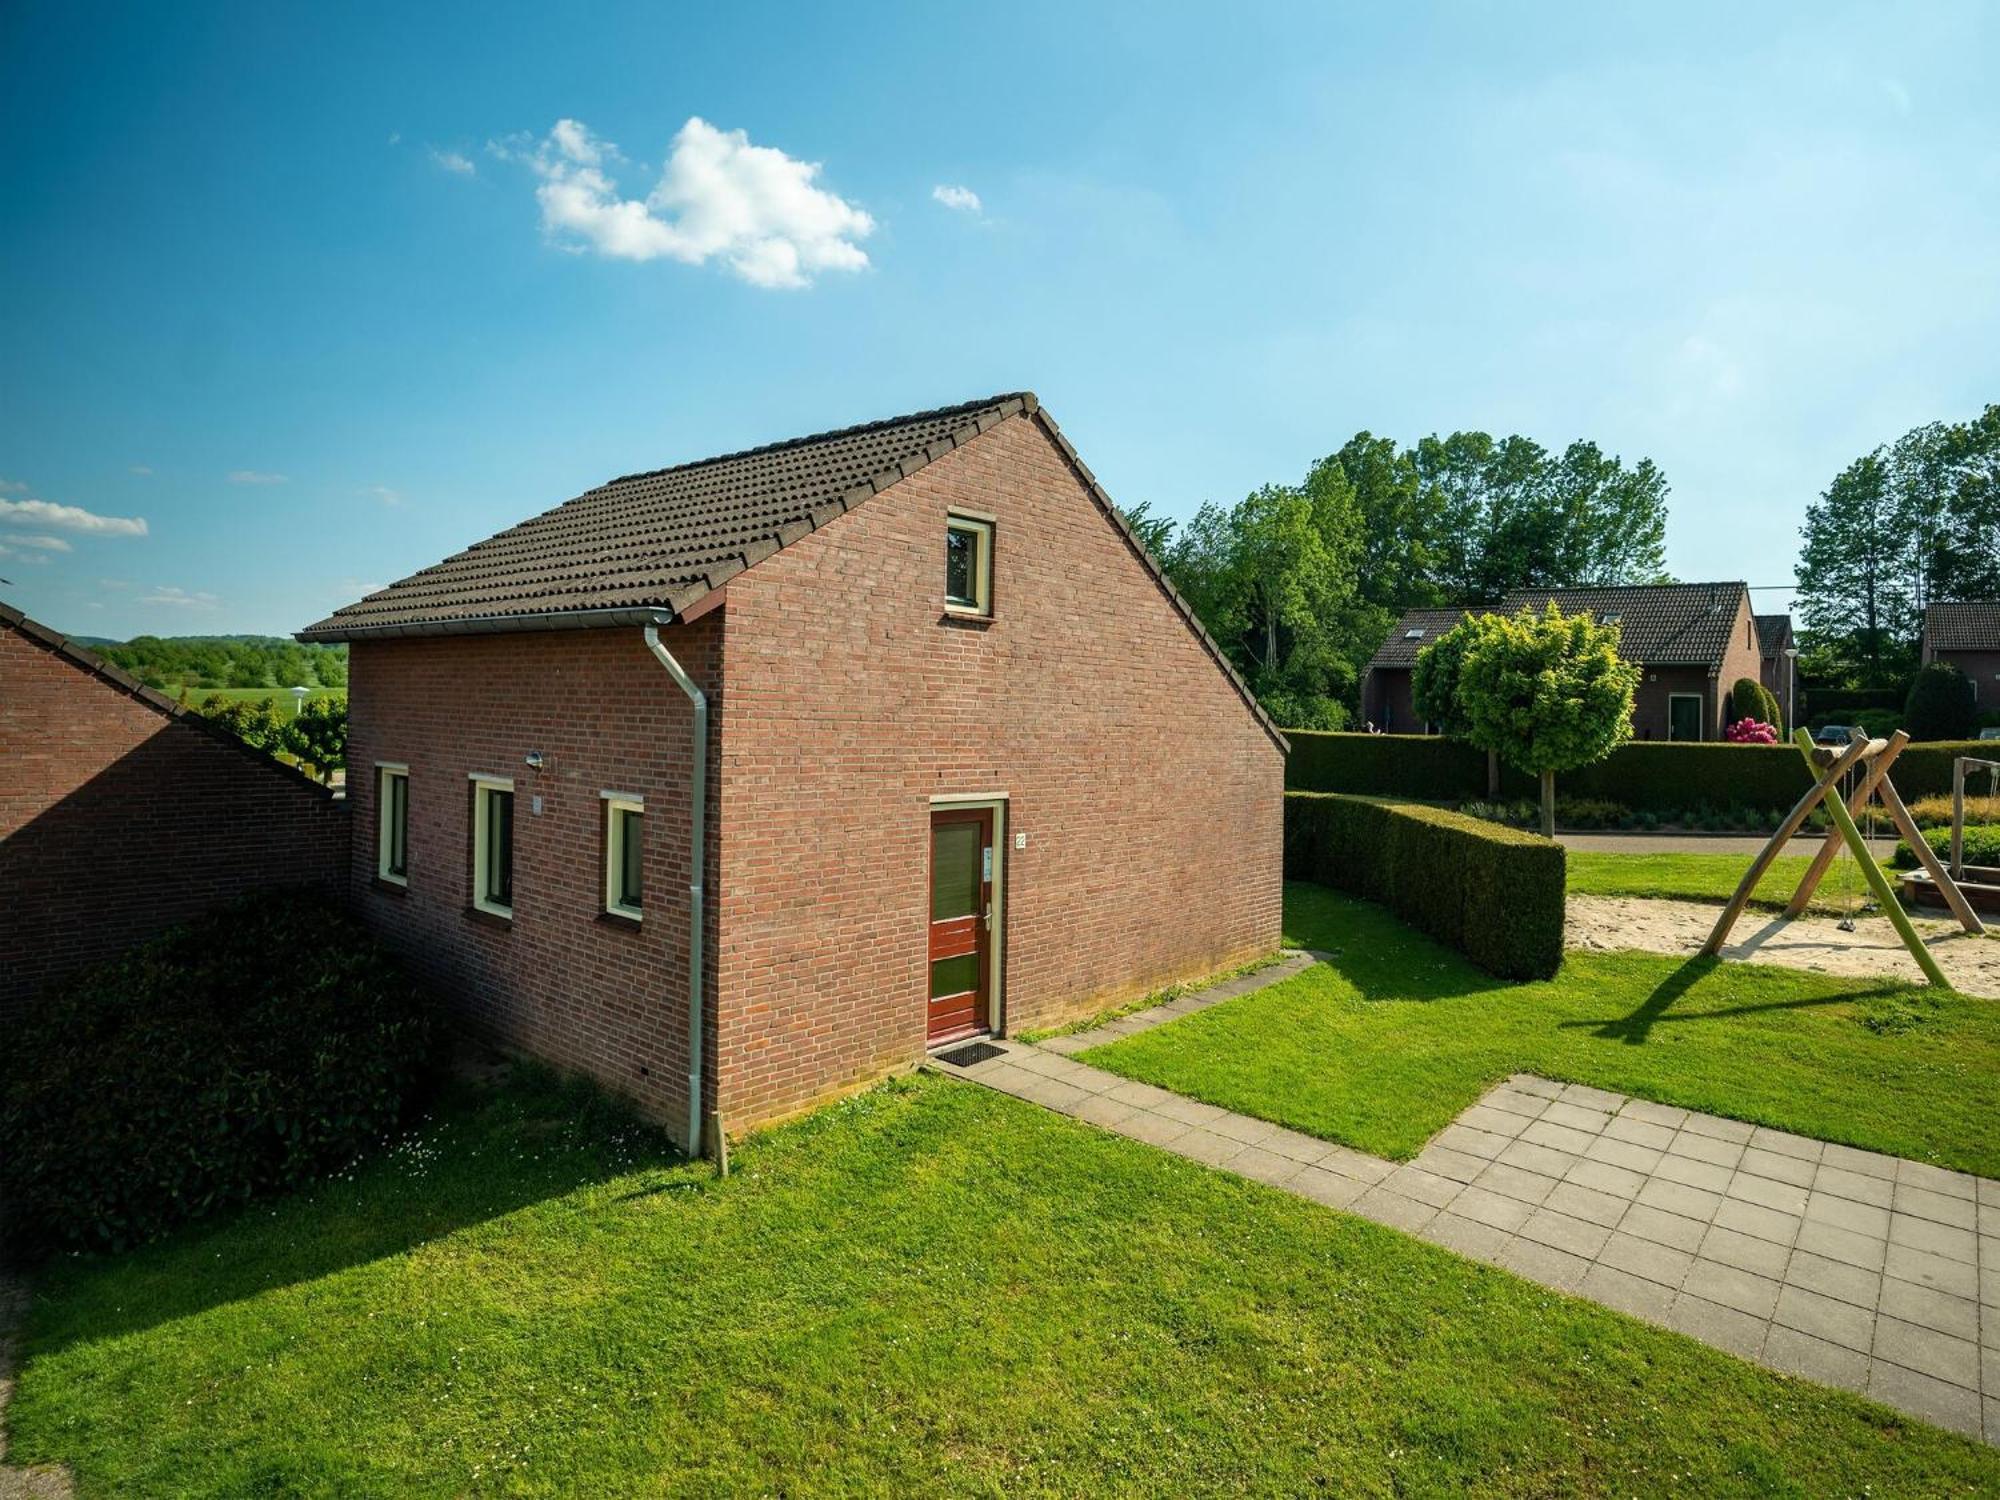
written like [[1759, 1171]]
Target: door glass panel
[[954, 976], [954, 870]]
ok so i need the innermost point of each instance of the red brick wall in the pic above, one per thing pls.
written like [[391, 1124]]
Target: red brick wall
[[1744, 658], [1151, 798], [118, 819], [560, 981]]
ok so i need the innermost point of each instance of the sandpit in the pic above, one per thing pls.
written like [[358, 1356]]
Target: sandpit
[[1813, 942]]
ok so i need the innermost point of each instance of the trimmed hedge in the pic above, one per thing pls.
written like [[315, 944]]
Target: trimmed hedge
[[1834, 701], [1982, 846], [1493, 893], [251, 1051], [1425, 766], [1655, 776]]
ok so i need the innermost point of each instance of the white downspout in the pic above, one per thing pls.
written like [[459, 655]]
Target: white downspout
[[698, 832]]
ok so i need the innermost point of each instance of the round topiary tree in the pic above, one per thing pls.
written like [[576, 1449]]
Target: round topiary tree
[[1750, 699], [1546, 693], [1941, 705]]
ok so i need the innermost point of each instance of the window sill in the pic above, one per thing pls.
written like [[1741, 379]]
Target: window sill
[[490, 918], [389, 887], [620, 919], [976, 619]]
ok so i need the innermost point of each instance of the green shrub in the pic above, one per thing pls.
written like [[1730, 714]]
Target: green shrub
[[1571, 812], [1657, 776], [1925, 770], [1982, 846], [249, 1052], [1427, 767], [1941, 704], [1750, 699], [1491, 892], [1833, 704]]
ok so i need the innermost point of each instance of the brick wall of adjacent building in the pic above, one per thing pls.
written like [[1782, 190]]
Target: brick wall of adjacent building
[[1150, 796], [560, 980], [1982, 668], [120, 817]]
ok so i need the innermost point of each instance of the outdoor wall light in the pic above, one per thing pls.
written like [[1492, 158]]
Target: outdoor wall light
[[534, 760]]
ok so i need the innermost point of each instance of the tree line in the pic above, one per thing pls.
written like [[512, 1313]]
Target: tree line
[[228, 661], [1913, 523], [1300, 583]]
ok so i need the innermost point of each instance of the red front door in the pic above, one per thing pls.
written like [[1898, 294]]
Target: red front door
[[961, 922]]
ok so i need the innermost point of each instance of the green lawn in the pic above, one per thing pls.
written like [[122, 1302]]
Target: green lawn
[[930, 1289], [1382, 1047], [1707, 877]]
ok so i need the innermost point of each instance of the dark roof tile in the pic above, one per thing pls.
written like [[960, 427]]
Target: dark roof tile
[[1971, 626], [1667, 625]]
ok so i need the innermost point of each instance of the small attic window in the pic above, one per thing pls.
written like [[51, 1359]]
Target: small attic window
[[1414, 633], [1609, 617], [968, 564]]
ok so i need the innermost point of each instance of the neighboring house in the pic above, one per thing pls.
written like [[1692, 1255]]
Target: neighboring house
[[122, 813], [1967, 636], [1690, 640], [971, 765], [1776, 670]]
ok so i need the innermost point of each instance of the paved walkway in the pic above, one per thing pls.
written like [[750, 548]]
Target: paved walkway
[[1868, 1272]]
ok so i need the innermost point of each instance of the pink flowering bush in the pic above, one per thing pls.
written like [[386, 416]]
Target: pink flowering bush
[[1751, 732]]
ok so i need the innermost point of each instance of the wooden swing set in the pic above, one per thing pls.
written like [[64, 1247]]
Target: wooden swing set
[[1873, 757]]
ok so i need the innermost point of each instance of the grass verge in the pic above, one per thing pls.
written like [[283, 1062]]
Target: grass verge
[[1382, 1047], [930, 1289], [1165, 996]]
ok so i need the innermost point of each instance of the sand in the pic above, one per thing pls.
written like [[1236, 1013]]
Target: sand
[[1812, 942]]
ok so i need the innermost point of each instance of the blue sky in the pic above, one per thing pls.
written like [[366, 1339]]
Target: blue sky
[[321, 294]]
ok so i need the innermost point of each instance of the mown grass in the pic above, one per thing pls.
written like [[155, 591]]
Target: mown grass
[[283, 696], [1382, 1047], [931, 1289]]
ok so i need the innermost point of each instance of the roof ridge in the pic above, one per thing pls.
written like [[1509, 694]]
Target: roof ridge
[[827, 436]]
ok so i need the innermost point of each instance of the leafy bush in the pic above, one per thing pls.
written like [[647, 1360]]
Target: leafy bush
[[1982, 845], [1941, 704], [254, 721], [1837, 703], [1751, 732], [248, 1052], [1750, 699], [1493, 893], [1982, 805], [317, 735]]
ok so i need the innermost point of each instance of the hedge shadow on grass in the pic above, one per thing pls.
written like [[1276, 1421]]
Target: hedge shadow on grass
[[484, 1151], [1636, 1027]]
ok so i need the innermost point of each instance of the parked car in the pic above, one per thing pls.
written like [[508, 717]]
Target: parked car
[[1836, 734], [1988, 734]]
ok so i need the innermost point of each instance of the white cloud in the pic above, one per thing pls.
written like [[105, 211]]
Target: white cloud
[[166, 593], [719, 198], [19, 556], [454, 161], [255, 476], [383, 493], [960, 199], [69, 518], [141, 470], [42, 543], [12, 486]]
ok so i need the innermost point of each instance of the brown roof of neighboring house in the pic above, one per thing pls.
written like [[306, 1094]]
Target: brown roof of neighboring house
[[1664, 624], [1416, 630], [1971, 626], [647, 547], [1773, 633], [86, 660]]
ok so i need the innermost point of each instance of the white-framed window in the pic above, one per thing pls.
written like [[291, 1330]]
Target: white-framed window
[[392, 822], [493, 845], [968, 564], [624, 855]]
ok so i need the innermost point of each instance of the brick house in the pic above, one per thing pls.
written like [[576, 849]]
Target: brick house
[[122, 813], [1777, 670], [969, 763], [1692, 641], [1967, 636]]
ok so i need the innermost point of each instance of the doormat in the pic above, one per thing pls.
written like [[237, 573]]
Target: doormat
[[972, 1052]]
